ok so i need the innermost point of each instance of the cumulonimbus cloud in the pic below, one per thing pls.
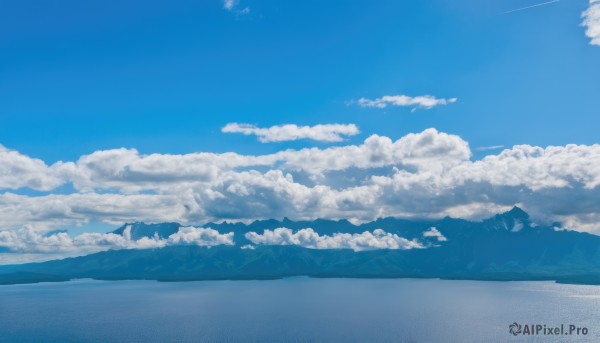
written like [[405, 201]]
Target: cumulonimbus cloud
[[423, 101], [308, 238], [292, 132], [591, 20]]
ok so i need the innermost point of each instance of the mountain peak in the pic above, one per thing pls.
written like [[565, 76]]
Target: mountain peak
[[514, 220], [516, 213], [141, 229]]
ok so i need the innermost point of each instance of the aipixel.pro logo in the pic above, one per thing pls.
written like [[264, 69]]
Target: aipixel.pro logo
[[516, 329]]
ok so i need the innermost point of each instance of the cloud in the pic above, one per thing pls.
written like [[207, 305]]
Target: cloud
[[488, 148], [229, 4], [127, 171], [423, 102], [58, 210], [591, 20], [435, 233], [429, 148], [18, 171], [204, 237], [540, 168], [28, 240], [532, 6], [291, 132], [308, 238], [429, 174], [232, 5], [549, 183]]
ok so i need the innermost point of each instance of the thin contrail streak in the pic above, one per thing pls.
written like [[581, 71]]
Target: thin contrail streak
[[532, 6]]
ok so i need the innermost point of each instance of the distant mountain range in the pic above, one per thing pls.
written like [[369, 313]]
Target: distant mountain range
[[504, 247]]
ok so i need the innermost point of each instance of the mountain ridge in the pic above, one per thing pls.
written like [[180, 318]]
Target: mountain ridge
[[487, 250]]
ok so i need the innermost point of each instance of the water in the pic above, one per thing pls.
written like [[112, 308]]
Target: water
[[292, 310]]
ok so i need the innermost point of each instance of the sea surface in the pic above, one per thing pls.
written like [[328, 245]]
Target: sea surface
[[294, 310]]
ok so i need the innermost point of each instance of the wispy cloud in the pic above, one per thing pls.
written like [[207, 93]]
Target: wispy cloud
[[232, 6], [245, 10], [532, 6], [488, 148], [292, 132], [591, 20], [229, 4], [423, 101]]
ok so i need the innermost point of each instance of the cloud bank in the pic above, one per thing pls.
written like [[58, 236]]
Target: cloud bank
[[591, 20], [28, 240], [308, 238], [423, 102], [292, 132], [429, 174]]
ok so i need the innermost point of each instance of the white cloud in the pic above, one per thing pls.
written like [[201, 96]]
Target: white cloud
[[58, 210], [292, 132], [308, 238], [204, 237], [18, 170], [591, 20], [28, 240], [128, 171], [229, 4], [539, 168], [232, 6], [488, 148], [423, 102], [428, 149], [588, 222], [435, 233], [428, 174], [546, 182]]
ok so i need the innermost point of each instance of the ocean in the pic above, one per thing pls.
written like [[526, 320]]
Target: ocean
[[298, 310]]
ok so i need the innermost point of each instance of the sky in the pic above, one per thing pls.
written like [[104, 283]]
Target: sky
[[193, 111]]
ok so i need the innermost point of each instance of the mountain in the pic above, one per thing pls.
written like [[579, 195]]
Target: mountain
[[504, 247], [139, 230]]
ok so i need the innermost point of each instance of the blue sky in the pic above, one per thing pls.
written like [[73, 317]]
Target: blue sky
[[166, 76], [196, 111]]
